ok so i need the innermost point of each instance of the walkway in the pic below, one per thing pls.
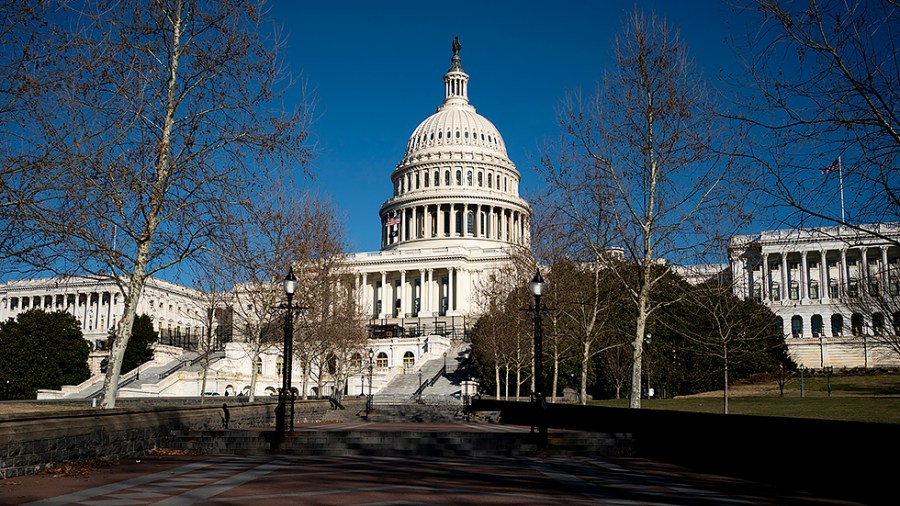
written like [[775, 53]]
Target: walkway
[[276, 480]]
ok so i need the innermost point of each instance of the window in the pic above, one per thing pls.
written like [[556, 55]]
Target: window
[[795, 290], [447, 178], [797, 326], [437, 178], [779, 325], [837, 325], [853, 288], [469, 178], [878, 324], [279, 365], [813, 289], [409, 360], [833, 290], [470, 223], [459, 178], [489, 180], [417, 181], [856, 324], [381, 360], [775, 291], [480, 179], [426, 180], [816, 326], [258, 365]]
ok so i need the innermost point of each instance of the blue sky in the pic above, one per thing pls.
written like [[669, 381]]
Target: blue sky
[[377, 67]]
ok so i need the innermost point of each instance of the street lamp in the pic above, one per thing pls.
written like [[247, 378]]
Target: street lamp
[[290, 286], [537, 289], [369, 399]]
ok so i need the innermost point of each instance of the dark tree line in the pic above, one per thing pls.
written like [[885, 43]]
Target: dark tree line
[[703, 338]]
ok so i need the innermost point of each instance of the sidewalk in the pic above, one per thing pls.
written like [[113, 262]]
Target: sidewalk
[[277, 480]]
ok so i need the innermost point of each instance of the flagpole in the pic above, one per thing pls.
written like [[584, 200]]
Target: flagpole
[[841, 178]]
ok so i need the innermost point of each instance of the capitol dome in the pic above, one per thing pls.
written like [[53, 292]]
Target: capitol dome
[[455, 185]]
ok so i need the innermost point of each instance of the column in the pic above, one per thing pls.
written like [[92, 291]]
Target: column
[[863, 270], [439, 212], [423, 293], [384, 298], [402, 226], [765, 277], [451, 282], [804, 278], [824, 281], [842, 288], [885, 279], [432, 296], [427, 219], [404, 309], [784, 277]]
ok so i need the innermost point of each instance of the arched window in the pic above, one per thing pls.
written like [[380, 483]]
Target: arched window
[[469, 178], [813, 289], [490, 177], [816, 325], [779, 325], [459, 178], [417, 180], [446, 178], [470, 223], [856, 324], [797, 326], [437, 178], [427, 178], [381, 360], [459, 223], [279, 365], [837, 325], [878, 324], [409, 360], [480, 179], [258, 365]]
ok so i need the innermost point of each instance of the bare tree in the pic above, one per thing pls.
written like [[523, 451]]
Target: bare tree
[[331, 326], [639, 170], [825, 112], [728, 330], [875, 314], [149, 138]]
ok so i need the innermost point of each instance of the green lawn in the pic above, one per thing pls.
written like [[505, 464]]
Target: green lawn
[[873, 398]]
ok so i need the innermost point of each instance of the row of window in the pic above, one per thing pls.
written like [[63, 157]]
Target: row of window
[[878, 325], [426, 178], [459, 135], [852, 289]]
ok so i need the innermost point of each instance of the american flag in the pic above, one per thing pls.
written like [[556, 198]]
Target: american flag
[[393, 220], [834, 167]]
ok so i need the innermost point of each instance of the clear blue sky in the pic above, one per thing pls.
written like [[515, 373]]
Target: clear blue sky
[[377, 67]]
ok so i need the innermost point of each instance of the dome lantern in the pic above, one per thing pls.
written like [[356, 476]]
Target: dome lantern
[[456, 81]]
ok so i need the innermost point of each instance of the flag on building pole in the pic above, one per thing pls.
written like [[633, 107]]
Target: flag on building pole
[[393, 220], [836, 166]]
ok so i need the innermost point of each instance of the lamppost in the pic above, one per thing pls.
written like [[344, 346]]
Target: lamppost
[[290, 286], [362, 385], [369, 399], [537, 289]]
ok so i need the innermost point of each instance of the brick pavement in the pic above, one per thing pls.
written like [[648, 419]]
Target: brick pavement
[[278, 480]]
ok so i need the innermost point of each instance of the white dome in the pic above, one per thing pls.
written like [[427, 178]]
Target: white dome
[[455, 125]]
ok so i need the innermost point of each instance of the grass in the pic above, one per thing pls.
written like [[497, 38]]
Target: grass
[[870, 398]]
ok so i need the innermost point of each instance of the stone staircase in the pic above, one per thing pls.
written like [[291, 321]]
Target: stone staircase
[[439, 380]]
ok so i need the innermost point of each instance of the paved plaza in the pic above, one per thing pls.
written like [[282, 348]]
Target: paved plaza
[[278, 480]]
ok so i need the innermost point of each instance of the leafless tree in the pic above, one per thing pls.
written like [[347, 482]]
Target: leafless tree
[[639, 170], [874, 310], [824, 117], [148, 133], [728, 330]]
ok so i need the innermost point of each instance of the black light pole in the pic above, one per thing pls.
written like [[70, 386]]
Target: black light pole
[[290, 286], [369, 399], [537, 289]]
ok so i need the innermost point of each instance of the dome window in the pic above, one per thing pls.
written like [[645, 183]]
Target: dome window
[[457, 134], [489, 178], [467, 135], [480, 179], [459, 178], [440, 134], [448, 134], [447, 178], [469, 178], [482, 136], [437, 178], [432, 136], [426, 179]]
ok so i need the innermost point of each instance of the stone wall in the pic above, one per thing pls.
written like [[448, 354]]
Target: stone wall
[[30, 442]]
